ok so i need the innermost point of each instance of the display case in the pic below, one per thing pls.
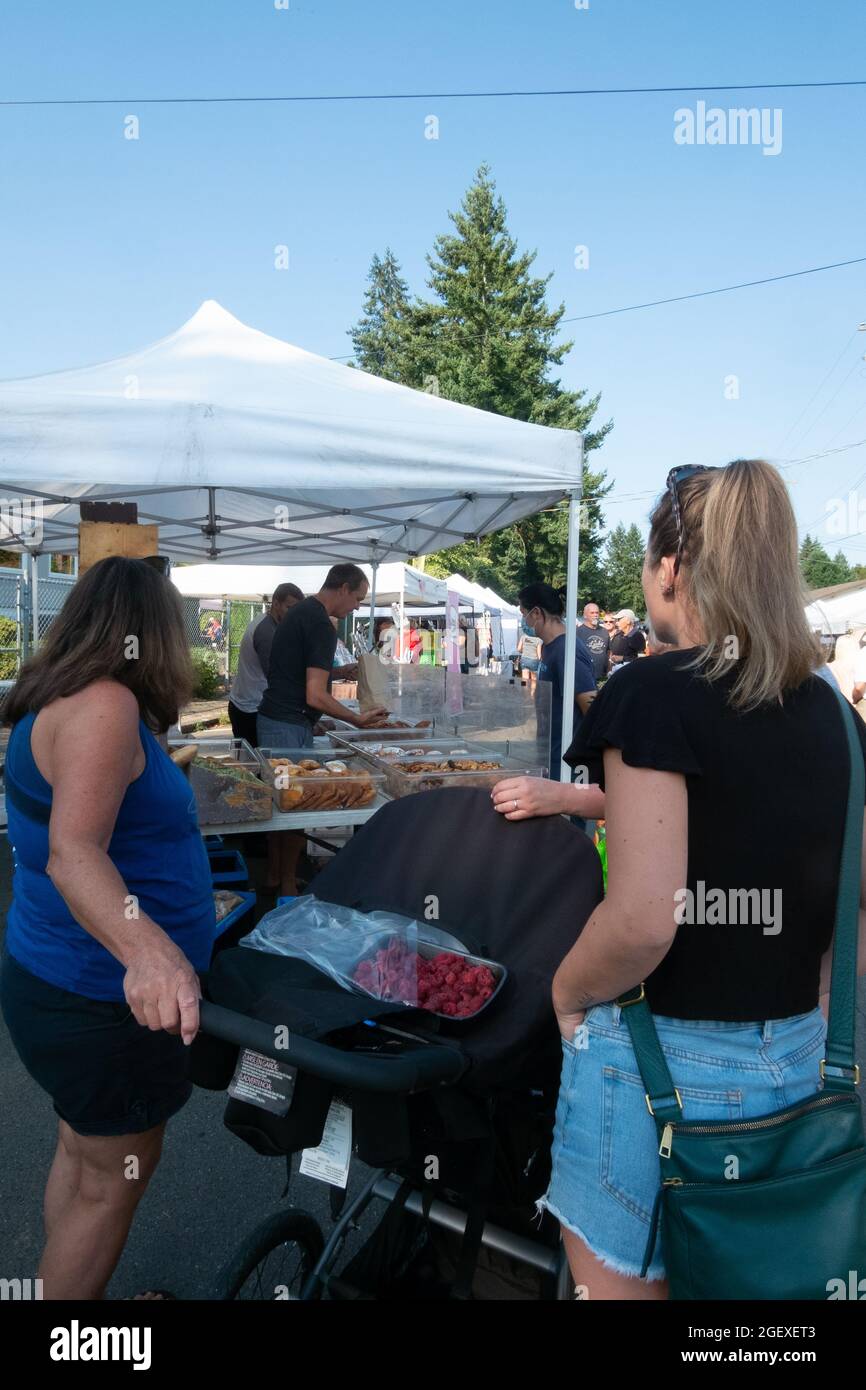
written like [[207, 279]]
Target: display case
[[306, 779], [446, 763], [392, 732], [372, 745], [225, 777]]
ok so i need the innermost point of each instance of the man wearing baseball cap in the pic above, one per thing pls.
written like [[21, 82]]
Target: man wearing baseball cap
[[629, 642]]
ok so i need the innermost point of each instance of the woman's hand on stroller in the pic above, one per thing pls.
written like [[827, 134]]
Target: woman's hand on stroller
[[162, 988], [520, 798]]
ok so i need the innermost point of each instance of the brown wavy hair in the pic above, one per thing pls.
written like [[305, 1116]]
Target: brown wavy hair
[[741, 571], [115, 601]]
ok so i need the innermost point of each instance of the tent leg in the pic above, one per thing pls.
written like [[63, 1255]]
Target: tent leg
[[34, 594], [371, 642], [570, 629]]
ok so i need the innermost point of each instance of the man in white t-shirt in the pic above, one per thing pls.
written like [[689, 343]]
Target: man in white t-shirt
[[251, 678]]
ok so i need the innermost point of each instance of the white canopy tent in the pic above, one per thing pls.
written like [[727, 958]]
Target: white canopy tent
[[393, 581], [242, 447], [505, 617], [839, 609]]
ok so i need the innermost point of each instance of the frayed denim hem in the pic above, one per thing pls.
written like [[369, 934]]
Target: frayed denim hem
[[654, 1274]]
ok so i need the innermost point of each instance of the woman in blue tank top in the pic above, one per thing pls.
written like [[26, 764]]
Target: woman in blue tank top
[[112, 913]]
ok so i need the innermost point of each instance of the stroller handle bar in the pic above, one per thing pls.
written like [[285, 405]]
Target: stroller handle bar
[[413, 1070]]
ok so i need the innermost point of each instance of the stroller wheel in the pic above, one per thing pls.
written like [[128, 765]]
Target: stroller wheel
[[274, 1261]]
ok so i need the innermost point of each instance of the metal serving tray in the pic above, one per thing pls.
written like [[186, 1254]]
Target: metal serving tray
[[358, 786]]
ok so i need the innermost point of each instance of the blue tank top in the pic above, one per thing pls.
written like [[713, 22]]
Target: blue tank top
[[156, 848]]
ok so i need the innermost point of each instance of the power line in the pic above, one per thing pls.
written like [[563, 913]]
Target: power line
[[703, 294], [432, 96], [725, 289], [808, 406]]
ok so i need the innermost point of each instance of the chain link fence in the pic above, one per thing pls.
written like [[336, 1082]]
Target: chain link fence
[[18, 631], [213, 627]]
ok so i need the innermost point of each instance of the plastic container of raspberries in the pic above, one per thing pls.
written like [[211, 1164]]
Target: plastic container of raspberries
[[452, 985]]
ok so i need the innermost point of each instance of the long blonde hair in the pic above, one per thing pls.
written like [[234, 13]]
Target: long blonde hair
[[741, 572]]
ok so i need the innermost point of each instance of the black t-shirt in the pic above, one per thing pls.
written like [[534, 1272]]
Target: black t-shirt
[[628, 645], [767, 791], [305, 638], [597, 642]]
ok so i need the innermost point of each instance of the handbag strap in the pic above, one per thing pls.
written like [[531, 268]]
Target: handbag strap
[[838, 1070]]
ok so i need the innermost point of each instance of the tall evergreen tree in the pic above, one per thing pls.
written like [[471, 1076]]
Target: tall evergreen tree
[[818, 569], [623, 564], [379, 336], [488, 339]]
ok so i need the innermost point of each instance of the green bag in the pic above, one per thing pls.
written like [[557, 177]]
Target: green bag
[[792, 1223]]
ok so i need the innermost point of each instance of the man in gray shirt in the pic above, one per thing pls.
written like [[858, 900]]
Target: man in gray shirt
[[596, 639], [254, 659]]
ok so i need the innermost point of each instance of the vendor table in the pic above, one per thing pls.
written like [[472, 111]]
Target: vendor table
[[280, 820], [299, 820]]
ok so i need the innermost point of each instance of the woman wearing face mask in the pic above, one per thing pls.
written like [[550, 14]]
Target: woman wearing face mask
[[704, 753], [519, 798], [542, 607]]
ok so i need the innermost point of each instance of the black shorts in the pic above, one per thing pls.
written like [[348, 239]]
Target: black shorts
[[105, 1074], [244, 724]]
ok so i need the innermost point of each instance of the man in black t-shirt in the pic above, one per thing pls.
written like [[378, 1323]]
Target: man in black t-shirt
[[596, 640], [629, 642], [302, 659], [301, 663]]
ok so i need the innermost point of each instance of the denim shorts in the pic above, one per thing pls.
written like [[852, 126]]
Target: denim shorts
[[274, 733], [605, 1146]]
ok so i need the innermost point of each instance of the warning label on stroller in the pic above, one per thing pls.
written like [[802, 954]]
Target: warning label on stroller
[[330, 1161], [262, 1081]]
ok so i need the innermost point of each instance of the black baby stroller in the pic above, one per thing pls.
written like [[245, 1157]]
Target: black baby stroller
[[454, 1116]]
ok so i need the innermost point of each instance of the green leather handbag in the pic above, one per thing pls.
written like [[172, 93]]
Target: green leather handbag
[[773, 1207]]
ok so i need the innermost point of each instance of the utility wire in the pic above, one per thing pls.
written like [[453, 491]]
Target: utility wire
[[810, 403], [851, 370], [432, 96], [725, 289], [703, 294]]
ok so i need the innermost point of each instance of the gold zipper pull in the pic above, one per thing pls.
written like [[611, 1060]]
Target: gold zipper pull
[[672, 1182], [667, 1140]]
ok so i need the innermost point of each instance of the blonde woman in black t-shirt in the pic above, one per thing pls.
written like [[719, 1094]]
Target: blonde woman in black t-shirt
[[722, 764]]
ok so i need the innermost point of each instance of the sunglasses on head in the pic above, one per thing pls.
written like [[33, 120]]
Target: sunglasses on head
[[674, 478]]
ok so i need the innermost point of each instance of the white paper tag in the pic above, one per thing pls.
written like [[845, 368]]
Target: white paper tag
[[330, 1161], [263, 1081]]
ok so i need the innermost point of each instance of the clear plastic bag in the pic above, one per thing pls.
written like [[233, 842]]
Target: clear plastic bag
[[375, 953]]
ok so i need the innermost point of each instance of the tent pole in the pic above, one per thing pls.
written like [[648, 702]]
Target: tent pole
[[570, 627], [34, 586], [402, 613], [25, 607], [371, 641]]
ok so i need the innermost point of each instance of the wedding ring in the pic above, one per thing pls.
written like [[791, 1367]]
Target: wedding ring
[[515, 804]]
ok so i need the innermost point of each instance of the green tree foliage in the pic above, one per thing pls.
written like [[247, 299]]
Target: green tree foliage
[[207, 682], [818, 569], [487, 338], [623, 563], [381, 336], [8, 649]]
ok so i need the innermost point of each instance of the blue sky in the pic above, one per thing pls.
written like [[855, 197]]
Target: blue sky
[[107, 244]]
